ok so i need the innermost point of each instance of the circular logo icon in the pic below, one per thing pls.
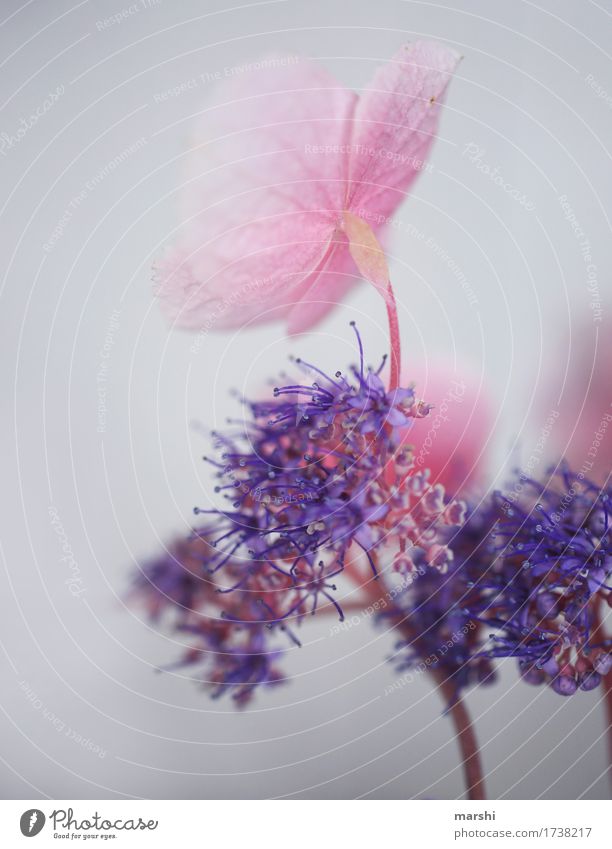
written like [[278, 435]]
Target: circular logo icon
[[32, 822]]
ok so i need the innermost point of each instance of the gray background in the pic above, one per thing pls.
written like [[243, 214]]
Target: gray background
[[523, 95]]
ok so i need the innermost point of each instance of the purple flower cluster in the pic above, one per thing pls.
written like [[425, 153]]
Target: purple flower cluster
[[318, 480], [530, 579], [436, 607], [317, 477], [549, 580], [229, 636], [320, 469]]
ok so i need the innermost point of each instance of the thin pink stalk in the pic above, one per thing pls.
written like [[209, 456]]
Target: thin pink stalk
[[607, 682], [394, 339], [466, 737], [457, 709], [607, 685]]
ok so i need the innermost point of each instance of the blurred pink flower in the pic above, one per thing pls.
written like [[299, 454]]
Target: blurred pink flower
[[576, 409], [452, 441], [290, 177]]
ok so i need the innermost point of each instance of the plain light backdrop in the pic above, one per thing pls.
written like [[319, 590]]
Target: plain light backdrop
[[534, 95]]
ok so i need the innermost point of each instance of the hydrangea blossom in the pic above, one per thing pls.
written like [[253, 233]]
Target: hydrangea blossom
[[321, 467], [453, 442], [530, 579], [318, 472], [580, 395], [228, 637], [550, 581], [445, 636], [291, 178]]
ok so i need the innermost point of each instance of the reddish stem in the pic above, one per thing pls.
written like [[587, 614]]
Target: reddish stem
[[466, 737], [394, 338], [464, 729], [607, 682], [395, 363], [607, 685]]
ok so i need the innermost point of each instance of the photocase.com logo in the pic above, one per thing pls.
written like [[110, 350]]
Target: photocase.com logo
[[32, 822]]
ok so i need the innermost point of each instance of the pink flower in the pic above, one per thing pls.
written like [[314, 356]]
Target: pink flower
[[575, 402], [291, 179], [453, 440]]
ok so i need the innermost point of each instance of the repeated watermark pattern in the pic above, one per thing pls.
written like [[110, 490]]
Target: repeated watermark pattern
[[599, 436], [58, 724], [440, 416], [391, 156], [212, 77], [103, 367], [475, 154], [586, 252], [218, 307], [576, 486], [10, 140], [380, 605], [431, 660], [75, 581], [599, 90], [383, 221], [88, 187], [103, 24], [530, 468]]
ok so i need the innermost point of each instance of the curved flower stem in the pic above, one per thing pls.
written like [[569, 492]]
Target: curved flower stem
[[607, 682], [464, 729], [395, 356], [370, 259], [607, 685], [394, 338], [466, 737], [455, 706]]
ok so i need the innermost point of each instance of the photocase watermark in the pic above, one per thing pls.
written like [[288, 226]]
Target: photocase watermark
[[124, 14], [431, 660], [441, 253], [529, 470], [475, 154], [228, 72], [103, 367], [96, 826], [90, 186], [32, 822], [9, 140], [438, 417], [265, 497], [368, 150], [267, 494], [74, 582], [586, 252], [599, 90], [58, 724]]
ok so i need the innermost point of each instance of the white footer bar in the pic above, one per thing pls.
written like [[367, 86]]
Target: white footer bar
[[430, 824]]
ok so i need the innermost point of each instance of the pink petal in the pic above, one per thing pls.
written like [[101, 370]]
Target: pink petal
[[318, 296], [575, 409], [284, 164], [395, 124], [366, 251], [265, 190]]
